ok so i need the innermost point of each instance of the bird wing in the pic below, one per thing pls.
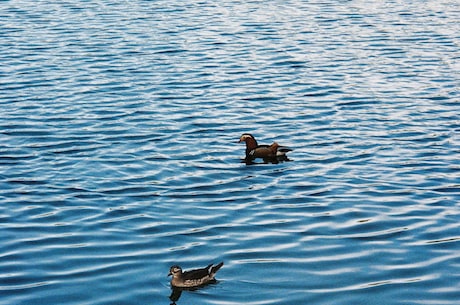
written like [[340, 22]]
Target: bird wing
[[197, 273]]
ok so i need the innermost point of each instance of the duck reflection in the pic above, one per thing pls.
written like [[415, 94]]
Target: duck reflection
[[175, 295], [273, 160], [177, 292]]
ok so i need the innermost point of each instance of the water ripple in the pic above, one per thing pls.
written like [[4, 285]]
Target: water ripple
[[119, 153]]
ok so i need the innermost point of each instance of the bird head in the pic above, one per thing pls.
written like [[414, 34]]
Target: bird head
[[246, 137], [175, 270]]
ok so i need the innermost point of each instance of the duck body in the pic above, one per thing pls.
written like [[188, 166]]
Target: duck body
[[269, 153], [193, 278]]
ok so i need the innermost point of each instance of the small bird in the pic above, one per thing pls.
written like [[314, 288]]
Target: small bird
[[269, 153], [193, 278]]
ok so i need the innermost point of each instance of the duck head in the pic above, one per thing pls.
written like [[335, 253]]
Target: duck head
[[175, 271], [247, 137], [251, 142]]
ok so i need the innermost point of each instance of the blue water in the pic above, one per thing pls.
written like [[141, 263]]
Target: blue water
[[119, 153]]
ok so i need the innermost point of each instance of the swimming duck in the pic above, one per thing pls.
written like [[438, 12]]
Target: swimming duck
[[193, 278], [269, 153]]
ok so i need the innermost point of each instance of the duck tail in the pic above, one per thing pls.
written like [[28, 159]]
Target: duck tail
[[216, 267]]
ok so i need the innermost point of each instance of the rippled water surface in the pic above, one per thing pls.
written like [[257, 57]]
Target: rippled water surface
[[119, 153]]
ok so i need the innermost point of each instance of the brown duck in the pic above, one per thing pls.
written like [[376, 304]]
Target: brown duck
[[193, 278], [269, 153]]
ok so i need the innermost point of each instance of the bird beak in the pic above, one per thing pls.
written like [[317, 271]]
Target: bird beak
[[169, 274]]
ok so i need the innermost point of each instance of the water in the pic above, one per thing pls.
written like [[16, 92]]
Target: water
[[119, 153]]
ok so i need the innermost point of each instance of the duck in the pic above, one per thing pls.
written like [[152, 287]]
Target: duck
[[269, 153], [193, 278]]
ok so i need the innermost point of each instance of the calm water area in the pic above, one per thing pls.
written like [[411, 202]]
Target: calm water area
[[119, 152]]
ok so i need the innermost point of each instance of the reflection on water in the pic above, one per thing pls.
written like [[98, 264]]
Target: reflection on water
[[175, 295], [177, 292], [275, 160]]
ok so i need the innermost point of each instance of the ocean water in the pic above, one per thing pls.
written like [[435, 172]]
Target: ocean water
[[119, 157]]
